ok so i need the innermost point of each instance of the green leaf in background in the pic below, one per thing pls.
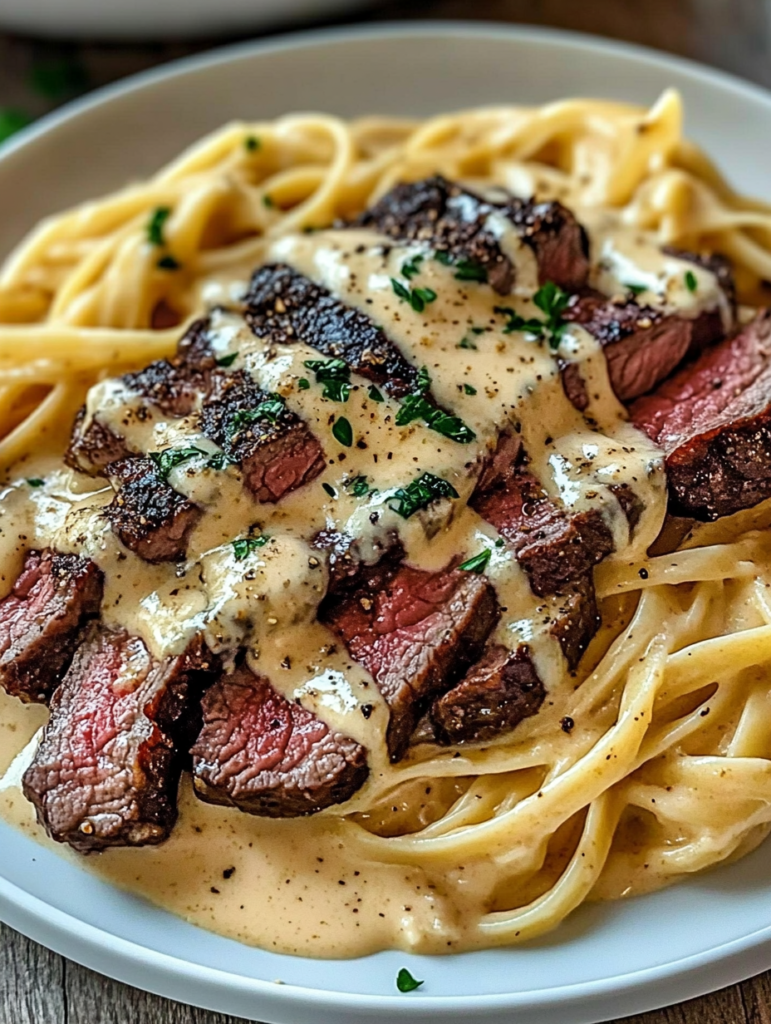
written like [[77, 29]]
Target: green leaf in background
[[12, 121], [58, 78]]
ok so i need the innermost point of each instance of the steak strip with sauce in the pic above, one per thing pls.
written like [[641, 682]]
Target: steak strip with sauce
[[713, 420], [108, 765], [266, 755], [42, 619]]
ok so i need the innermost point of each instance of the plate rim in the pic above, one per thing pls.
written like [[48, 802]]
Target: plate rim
[[679, 979]]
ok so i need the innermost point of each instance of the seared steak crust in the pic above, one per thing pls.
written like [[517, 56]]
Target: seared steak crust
[[41, 621], [286, 307], [266, 755], [454, 221], [147, 514], [415, 632], [496, 694], [277, 453], [713, 420], [107, 768]]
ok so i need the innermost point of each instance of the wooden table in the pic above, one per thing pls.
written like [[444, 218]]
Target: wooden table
[[39, 987]]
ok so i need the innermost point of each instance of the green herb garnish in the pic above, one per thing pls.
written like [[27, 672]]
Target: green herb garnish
[[417, 407], [405, 982], [478, 563], [443, 257], [251, 143], [635, 289], [168, 263], [335, 375], [343, 431], [170, 458], [691, 282], [156, 223], [469, 390], [268, 201], [470, 270], [375, 395], [12, 121], [500, 542], [36, 481], [219, 460], [330, 490], [418, 298], [552, 301], [244, 546], [412, 267], [358, 486], [303, 383], [467, 343], [420, 494], [515, 322], [270, 409], [228, 360]]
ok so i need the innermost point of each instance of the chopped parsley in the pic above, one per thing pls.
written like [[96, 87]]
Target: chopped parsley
[[270, 409], [12, 121], [156, 224], [303, 383], [417, 407], [268, 201], [467, 343], [478, 563], [691, 283], [343, 431], [418, 298], [635, 289], [170, 458], [410, 268], [421, 493], [36, 481], [469, 390], [500, 542], [375, 395], [335, 375], [552, 301], [470, 270], [330, 490], [244, 546], [405, 981], [219, 460], [478, 330], [443, 257], [228, 360], [168, 263], [251, 143], [358, 486]]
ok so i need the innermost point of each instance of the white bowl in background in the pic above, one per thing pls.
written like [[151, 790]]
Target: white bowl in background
[[606, 960]]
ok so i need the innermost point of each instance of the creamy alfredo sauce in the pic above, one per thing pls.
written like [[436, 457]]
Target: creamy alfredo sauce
[[302, 886]]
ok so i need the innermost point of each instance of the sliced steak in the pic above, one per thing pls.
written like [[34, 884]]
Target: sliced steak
[[41, 621], [415, 632], [147, 514], [286, 307], [642, 344], [713, 420], [172, 385], [108, 765], [346, 565], [266, 755], [494, 696], [455, 221], [276, 451]]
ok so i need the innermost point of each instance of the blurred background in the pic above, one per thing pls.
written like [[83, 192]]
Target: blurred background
[[54, 50]]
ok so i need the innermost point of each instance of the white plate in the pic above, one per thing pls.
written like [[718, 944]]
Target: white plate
[[156, 19], [607, 961]]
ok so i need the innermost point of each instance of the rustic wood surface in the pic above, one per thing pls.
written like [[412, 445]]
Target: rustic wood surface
[[40, 987]]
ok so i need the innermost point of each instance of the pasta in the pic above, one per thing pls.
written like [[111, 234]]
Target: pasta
[[664, 766]]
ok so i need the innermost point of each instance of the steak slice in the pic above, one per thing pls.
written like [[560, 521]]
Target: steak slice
[[41, 621], [147, 514], [172, 385], [713, 420], [415, 632], [108, 765], [495, 695], [276, 451], [287, 307], [642, 344], [557, 551], [266, 755], [454, 221]]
